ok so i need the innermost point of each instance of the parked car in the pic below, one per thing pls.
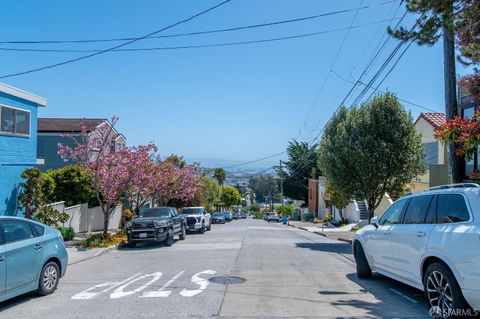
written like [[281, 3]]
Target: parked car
[[228, 216], [243, 215], [236, 215], [428, 240], [265, 216], [160, 224], [32, 257], [218, 218], [273, 217], [198, 219]]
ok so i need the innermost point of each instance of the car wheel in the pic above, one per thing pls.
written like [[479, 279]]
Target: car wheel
[[209, 226], [442, 291], [48, 278], [169, 239], [202, 230], [131, 244], [183, 234], [363, 268]]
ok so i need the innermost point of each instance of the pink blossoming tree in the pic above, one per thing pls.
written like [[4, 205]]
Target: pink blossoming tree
[[107, 170]]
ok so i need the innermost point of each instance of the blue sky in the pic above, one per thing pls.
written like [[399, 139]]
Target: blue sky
[[228, 104]]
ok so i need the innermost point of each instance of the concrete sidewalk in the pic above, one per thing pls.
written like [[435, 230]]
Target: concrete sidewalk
[[343, 233], [77, 255]]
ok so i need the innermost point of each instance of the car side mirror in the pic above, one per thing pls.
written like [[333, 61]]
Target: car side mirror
[[374, 221]]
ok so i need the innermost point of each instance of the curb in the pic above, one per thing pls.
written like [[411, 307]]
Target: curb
[[98, 254], [349, 241]]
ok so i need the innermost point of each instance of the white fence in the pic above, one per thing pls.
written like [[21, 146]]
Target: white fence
[[84, 219]]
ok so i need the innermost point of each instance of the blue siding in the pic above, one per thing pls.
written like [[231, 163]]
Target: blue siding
[[16, 154]]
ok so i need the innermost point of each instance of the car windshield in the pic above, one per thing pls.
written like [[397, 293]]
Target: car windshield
[[155, 212], [192, 211], [218, 215]]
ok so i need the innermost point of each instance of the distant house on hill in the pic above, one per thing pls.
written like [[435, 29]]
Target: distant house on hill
[[52, 131]]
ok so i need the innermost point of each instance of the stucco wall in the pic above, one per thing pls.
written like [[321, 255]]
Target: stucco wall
[[427, 133], [16, 155]]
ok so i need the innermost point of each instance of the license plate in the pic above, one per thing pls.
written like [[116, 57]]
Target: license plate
[[142, 235]]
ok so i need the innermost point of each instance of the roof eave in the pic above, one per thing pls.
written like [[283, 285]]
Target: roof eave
[[10, 90]]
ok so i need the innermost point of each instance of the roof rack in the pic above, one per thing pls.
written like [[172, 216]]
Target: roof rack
[[457, 185]]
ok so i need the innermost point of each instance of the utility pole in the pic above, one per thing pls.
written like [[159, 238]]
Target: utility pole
[[457, 163], [281, 183]]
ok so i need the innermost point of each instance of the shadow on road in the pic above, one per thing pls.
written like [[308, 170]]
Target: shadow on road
[[341, 248], [10, 303], [386, 292]]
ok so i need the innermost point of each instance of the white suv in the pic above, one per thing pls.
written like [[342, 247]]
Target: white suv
[[429, 240], [198, 219]]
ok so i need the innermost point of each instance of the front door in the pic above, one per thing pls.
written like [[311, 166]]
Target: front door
[[23, 254], [410, 238], [379, 240]]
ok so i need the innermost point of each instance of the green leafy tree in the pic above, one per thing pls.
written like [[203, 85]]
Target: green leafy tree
[[301, 165], [220, 175], [208, 194], [371, 149], [72, 186], [230, 196], [285, 210], [33, 189], [265, 187], [337, 199]]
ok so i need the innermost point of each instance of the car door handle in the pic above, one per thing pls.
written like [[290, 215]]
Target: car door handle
[[386, 232], [38, 246], [421, 234]]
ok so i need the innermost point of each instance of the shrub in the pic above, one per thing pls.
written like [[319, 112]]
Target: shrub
[[285, 210], [127, 214], [67, 233], [50, 216], [72, 186], [102, 240]]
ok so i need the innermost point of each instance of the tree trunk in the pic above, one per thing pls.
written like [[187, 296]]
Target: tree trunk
[[28, 212], [106, 218], [371, 209], [341, 215], [457, 163]]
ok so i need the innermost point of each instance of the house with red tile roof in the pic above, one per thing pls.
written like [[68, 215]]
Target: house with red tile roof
[[435, 152]]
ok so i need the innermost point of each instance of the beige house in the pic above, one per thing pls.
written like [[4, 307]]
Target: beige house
[[435, 152]]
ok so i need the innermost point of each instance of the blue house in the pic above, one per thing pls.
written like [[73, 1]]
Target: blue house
[[18, 141]]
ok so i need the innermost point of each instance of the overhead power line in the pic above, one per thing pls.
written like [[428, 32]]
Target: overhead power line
[[253, 26], [381, 91], [120, 45], [304, 35], [342, 44], [255, 161]]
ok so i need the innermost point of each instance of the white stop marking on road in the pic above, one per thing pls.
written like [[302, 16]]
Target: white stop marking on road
[[120, 287]]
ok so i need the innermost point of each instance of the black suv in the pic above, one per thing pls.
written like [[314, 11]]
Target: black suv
[[158, 224]]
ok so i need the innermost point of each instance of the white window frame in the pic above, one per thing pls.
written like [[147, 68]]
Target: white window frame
[[14, 133]]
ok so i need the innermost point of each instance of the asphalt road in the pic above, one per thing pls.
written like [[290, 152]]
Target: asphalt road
[[289, 273]]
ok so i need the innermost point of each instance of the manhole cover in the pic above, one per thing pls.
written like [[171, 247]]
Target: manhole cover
[[227, 280]]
